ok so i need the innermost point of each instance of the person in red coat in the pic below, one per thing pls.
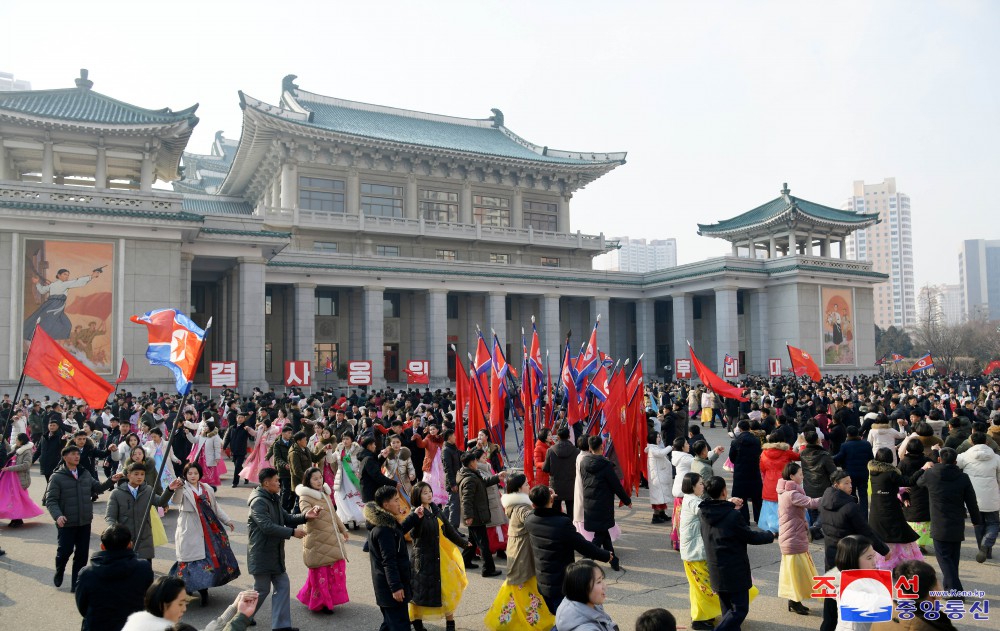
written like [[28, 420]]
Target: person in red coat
[[774, 456], [541, 448]]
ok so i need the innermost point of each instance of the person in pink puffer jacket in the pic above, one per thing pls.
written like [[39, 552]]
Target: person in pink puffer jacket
[[795, 576]]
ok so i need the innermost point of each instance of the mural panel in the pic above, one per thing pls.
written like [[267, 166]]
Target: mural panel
[[837, 304]]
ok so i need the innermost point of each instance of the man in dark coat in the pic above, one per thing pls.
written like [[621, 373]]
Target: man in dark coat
[[269, 525], [476, 506], [68, 500], [50, 448], [278, 456], [841, 516], [726, 535], [854, 456], [560, 464], [744, 453], [600, 485], [128, 503], [817, 465], [236, 440], [114, 585], [389, 558], [372, 478], [451, 462], [950, 492], [554, 541]]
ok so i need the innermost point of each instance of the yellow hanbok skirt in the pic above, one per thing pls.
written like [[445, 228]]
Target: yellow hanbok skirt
[[705, 602], [156, 526], [453, 582], [795, 576], [519, 608]]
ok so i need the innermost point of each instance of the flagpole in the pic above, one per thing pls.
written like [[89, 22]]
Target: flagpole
[[178, 422], [20, 386]]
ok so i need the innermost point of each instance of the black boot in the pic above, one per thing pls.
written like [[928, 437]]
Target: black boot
[[418, 625], [204, 597], [798, 608], [449, 625], [57, 579]]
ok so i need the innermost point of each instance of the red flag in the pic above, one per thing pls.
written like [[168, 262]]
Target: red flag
[[462, 386], [55, 368], [803, 363], [637, 418], [993, 365], [713, 382], [123, 372], [477, 404], [528, 378]]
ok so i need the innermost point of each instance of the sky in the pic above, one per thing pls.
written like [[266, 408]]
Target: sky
[[717, 103]]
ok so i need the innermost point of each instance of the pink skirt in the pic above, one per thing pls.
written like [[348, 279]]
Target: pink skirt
[[256, 462], [210, 475], [435, 477], [898, 552], [325, 588], [15, 503], [675, 522]]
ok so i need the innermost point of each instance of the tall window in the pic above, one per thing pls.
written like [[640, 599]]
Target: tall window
[[326, 302], [541, 215], [316, 193], [490, 210], [268, 356], [390, 305], [381, 200], [387, 250], [446, 255], [267, 302], [503, 259], [323, 352], [439, 206]]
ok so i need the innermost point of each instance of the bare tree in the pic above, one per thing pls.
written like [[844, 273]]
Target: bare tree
[[942, 341]]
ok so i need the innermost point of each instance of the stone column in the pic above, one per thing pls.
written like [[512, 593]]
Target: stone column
[[772, 247], [550, 330], [355, 324], [475, 316], [437, 336], [824, 248], [759, 332], [418, 325], [48, 162], [618, 331], [4, 169], [276, 193], [645, 335], [410, 203], [465, 203], [146, 176], [517, 209], [602, 307], [305, 323], [736, 249], [231, 289], [683, 323], [792, 251], [373, 323], [809, 245], [727, 332], [101, 169], [251, 323], [186, 261], [843, 247], [289, 186], [353, 195], [752, 248], [496, 315], [286, 295], [562, 220]]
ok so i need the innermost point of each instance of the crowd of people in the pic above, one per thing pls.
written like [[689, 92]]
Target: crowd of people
[[880, 470]]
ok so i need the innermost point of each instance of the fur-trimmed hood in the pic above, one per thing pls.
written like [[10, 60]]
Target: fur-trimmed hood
[[877, 466], [514, 499], [375, 515], [760, 434], [145, 621], [305, 491], [25, 447], [214, 432], [404, 454], [781, 446], [880, 426]]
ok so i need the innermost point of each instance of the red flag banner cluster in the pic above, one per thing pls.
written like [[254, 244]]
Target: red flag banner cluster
[[803, 363]]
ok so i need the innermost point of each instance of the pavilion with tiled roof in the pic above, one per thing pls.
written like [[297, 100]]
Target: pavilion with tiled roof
[[788, 225]]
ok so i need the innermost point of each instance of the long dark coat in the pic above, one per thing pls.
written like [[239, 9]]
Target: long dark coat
[[950, 493], [426, 559], [553, 542], [840, 516], [919, 509], [817, 465], [390, 564], [560, 464], [600, 485], [744, 453], [726, 536], [885, 513]]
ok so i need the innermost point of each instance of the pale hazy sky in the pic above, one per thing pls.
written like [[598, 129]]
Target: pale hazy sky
[[717, 103]]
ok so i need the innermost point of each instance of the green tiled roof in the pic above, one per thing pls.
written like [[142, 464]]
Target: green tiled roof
[[778, 207], [107, 212], [206, 206], [248, 233], [87, 106], [483, 136]]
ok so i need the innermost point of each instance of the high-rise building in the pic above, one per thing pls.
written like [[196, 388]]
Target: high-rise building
[[947, 304], [889, 246], [979, 275], [9, 84], [639, 256]]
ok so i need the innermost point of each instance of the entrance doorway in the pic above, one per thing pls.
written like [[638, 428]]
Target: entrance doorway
[[391, 355]]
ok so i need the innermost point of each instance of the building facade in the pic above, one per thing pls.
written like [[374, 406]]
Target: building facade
[[889, 246], [339, 230], [639, 256], [979, 276], [9, 83]]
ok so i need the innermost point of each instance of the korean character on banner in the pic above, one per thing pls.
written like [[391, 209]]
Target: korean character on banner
[[980, 609], [931, 609], [954, 609], [824, 587], [906, 609]]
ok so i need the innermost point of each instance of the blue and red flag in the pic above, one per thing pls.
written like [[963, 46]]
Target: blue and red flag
[[924, 363], [328, 366], [176, 342], [589, 358], [896, 358]]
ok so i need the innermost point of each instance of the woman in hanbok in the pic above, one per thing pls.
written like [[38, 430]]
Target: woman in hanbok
[[916, 501], [438, 568], [496, 527], [323, 549], [346, 484], [399, 466], [207, 452], [327, 443], [885, 512], [432, 467], [121, 455], [264, 436], [205, 558], [15, 478], [518, 605]]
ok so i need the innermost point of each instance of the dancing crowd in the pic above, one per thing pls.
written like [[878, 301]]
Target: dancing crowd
[[881, 470]]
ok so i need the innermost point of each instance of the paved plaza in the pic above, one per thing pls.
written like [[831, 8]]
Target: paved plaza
[[652, 576]]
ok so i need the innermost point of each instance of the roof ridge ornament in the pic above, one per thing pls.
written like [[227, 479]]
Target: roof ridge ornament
[[785, 192], [288, 83], [497, 117], [83, 82]]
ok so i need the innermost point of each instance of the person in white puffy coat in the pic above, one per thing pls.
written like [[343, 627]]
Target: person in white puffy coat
[[660, 478], [682, 461], [982, 466], [883, 435]]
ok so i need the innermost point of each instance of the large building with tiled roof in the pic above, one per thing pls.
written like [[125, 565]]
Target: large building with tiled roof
[[344, 230]]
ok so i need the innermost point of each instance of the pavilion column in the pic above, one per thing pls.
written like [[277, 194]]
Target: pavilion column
[[562, 220], [736, 249], [753, 248], [727, 338], [101, 169], [4, 170], [843, 247], [645, 334], [410, 202], [792, 251], [146, 173], [824, 249], [250, 334], [372, 340], [305, 322], [465, 204], [772, 248], [683, 323], [517, 209], [601, 307], [289, 196], [353, 195], [550, 329], [437, 335], [809, 245], [48, 162]]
